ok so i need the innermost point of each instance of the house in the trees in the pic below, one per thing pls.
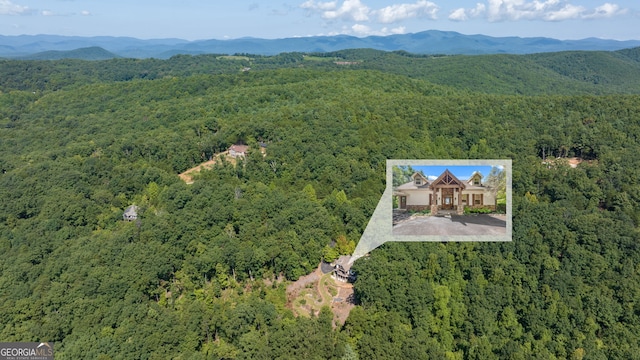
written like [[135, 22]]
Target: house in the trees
[[447, 192], [342, 269], [130, 213], [238, 150]]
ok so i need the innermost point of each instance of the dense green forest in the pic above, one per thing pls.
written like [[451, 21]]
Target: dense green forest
[[202, 273], [563, 73]]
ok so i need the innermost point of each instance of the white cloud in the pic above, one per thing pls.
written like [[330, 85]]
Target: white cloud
[[499, 10], [350, 10], [459, 15], [463, 14], [396, 31], [53, 13], [606, 10], [321, 6], [356, 10], [549, 10], [9, 8], [399, 12], [478, 10], [567, 12], [360, 29]]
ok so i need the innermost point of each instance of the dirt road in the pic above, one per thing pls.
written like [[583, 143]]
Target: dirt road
[[187, 176]]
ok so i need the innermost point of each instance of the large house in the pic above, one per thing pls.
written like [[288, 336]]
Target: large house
[[447, 192], [238, 150], [342, 269]]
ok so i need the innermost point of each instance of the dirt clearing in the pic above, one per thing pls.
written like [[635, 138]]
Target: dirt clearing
[[187, 176], [310, 293]]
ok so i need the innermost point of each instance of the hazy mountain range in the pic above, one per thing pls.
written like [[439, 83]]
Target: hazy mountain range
[[427, 42]]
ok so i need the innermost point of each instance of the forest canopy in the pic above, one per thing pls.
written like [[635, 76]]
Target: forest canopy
[[202, 272]]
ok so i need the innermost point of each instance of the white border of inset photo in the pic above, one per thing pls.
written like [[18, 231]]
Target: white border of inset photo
[[380, 227], [443, 164]]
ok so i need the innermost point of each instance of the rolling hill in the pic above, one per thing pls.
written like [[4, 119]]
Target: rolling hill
[[203, 273], [90, 53], [426, 42], [569, 72]]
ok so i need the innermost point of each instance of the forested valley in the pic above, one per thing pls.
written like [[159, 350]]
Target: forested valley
[[202, 273]]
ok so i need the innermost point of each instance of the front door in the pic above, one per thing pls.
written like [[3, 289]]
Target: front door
[[447, 199], [403, 202]]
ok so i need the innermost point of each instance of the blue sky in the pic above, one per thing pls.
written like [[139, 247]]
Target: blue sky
[[461, 172], [210, 19]]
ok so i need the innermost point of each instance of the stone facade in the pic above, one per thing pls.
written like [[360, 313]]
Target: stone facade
[[418, 207]]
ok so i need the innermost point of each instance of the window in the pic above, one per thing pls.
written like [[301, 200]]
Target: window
[[476, 182], [418, 181]]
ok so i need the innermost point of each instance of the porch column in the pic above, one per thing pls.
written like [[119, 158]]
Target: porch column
[[434, 207]]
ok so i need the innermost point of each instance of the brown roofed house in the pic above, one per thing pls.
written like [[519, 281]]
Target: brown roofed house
[[447, 193], [238, 150]]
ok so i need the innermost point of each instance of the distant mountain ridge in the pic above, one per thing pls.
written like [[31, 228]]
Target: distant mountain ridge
[[89, 53], [426, 42]]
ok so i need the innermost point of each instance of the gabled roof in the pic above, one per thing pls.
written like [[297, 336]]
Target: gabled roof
[[447, 179], [474, 175], [239, 148], [417, 174], [411, 185], [131, 210]]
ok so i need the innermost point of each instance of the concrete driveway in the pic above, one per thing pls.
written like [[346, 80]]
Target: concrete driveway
[[481, 224]]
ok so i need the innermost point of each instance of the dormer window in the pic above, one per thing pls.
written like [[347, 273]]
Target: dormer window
[[476, 179], [418, 181]]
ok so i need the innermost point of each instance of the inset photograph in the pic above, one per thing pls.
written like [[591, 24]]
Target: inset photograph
[[452, 198]]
